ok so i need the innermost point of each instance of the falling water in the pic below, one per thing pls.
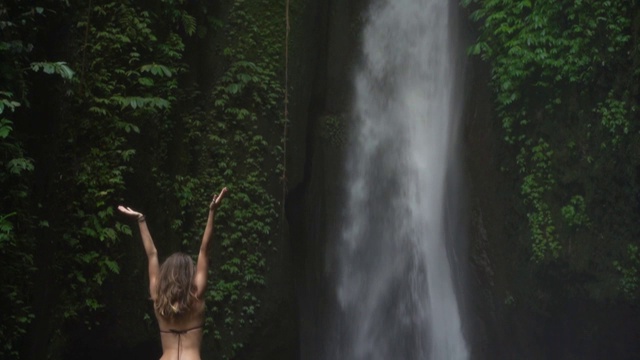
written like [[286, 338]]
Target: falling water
[[395, 286]]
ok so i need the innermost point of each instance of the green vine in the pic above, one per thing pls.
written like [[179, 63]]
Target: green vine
[[564, 76], [536, 186], [247, 101]]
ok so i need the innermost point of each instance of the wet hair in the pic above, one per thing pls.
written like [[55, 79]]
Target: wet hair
[[176, 291]]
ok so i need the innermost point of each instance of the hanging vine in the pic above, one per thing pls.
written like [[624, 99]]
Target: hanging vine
[[286, 109]]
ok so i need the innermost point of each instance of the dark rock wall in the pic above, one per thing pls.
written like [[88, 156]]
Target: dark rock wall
[[325, 46]]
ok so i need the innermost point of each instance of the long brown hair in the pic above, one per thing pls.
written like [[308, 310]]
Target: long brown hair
[[176, 291]]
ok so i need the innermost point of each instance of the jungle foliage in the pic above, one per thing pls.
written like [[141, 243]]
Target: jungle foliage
[[100, 105], [566, 76]]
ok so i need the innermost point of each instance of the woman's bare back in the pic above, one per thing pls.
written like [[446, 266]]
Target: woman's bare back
[[181, 337]]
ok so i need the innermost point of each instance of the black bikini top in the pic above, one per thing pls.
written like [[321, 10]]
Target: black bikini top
[[181, 332]]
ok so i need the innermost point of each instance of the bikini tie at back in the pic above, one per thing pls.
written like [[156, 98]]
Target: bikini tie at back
[[180, 332]]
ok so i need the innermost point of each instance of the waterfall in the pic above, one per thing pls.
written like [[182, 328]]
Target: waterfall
[[394, 282]]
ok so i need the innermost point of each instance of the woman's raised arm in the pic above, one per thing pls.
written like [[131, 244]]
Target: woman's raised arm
[[202, 266], [149, 248]]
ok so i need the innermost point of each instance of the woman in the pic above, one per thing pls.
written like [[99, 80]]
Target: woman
[[177, 290]]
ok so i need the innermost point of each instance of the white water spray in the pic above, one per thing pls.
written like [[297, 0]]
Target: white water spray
[[395, 287]]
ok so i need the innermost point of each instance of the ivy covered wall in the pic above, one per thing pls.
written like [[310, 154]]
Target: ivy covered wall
[[156, 105], [555, 230]]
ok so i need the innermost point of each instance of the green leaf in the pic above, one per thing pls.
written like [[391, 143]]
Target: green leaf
[[146, 81], [59, 68], [5, 127], [64, 70], [11, 105], [48, 68], [113, 266], [156, 69], [189, 23], [18, 165], [232, 88]]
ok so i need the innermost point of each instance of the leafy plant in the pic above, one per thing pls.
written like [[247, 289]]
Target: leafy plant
[[565, 77], [94, 106]]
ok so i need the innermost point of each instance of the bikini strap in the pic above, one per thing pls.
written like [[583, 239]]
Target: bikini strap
[[181, 332]]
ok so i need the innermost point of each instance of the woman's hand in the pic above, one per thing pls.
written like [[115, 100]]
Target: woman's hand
[[217, 199], [131, 213]]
